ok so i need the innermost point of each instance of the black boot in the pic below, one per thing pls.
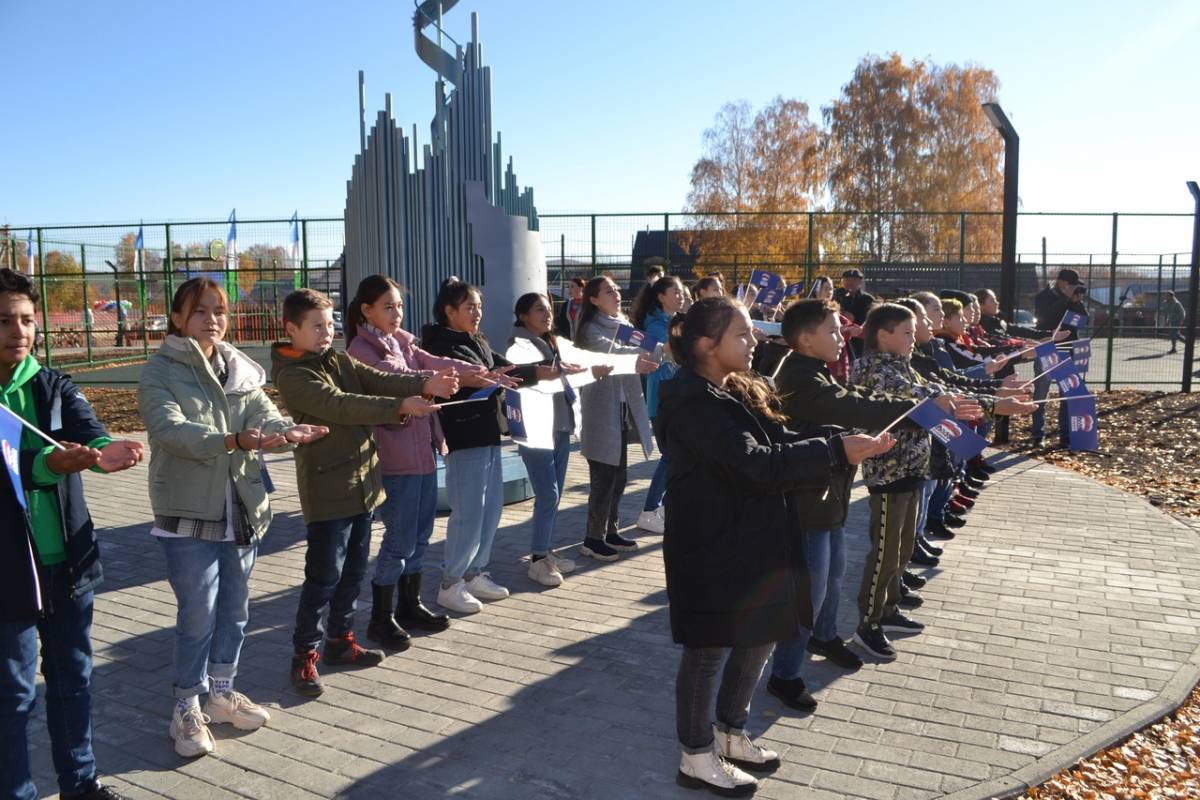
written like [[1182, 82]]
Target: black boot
[[383, 628], [411, 611]]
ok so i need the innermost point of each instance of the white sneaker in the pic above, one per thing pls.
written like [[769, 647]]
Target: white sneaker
[[483, 587], [545, 572], [236, 708], [708, 770], [652, 521], [190, 732], [736, 746], [563, 565], [457, 598]]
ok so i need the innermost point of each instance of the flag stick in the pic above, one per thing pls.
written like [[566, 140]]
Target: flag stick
[[900, 418], [779, 366], [33, 428], [1047, 372], [1056, 398]]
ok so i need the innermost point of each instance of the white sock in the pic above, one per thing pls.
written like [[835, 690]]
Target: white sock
[[222, 685], [184, 703]]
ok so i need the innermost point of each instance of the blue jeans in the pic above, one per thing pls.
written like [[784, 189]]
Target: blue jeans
[[923, 498], [407, 514], [475, 489], [211, 581], [825, 555], [938, 498], [658, 483], [67, 667], [547, 471], [335, 563]]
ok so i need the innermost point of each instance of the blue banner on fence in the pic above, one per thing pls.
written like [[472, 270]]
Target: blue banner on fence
[[954, 435], [10, 446], [1084, 430], [765, 280], [627, 334]]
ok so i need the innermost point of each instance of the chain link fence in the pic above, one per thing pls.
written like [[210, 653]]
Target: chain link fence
[[102, 304]]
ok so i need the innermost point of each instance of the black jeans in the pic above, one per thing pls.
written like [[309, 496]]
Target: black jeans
[[608, 486], [335, 564], [695, 689]]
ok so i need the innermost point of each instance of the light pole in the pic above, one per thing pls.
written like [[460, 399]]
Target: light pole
[[1008, 245], [1189, 319]]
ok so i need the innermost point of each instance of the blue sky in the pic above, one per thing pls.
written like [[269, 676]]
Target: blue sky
[[164, 110]]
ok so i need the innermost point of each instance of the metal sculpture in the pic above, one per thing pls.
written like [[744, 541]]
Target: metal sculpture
[[422, 214]]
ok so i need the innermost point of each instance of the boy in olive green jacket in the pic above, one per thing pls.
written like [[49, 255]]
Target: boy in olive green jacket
[[338, 476]]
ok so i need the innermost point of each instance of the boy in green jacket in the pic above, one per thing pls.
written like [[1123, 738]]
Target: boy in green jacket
[[338, 477]]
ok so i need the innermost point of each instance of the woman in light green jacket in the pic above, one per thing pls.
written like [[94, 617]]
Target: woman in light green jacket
[[209, 422]]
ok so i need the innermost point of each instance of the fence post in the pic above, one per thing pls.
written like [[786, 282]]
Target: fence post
[[1158, 301], [304, 254], [169, 268], [666, 244], [1112, 299], [139, 262], [594, 272], [1189, 319], [808, 254], [45, 303], [87, 327], [562, 267], [962, 247]]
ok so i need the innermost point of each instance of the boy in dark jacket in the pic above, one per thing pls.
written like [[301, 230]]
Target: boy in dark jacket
[[813, 400], [338, 477], [49, 558]]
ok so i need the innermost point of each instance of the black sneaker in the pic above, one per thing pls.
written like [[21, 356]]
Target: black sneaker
[[304, 674], [836, 651], [923, 559], [953, 520], [967, 491], [792, 694], [974, 482], [988, 468], [928, 547], [898, 623], [976, 477], [911, 599], [938, 530], [98, 791], [597, 549], [619, 543], [345, 650], [912, 580], [872, 639]]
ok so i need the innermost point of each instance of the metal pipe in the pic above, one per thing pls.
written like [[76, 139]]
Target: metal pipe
[[1189, 320]]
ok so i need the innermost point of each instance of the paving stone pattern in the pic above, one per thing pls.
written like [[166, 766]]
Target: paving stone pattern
[[1064, 605]]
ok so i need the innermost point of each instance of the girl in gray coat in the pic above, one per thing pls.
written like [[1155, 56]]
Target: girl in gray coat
[[209, 421], [614, 411]]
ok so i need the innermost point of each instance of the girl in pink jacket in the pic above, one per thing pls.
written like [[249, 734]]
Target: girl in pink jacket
[[406, 450]]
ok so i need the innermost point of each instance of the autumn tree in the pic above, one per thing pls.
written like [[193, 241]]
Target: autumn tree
[[63, 281]]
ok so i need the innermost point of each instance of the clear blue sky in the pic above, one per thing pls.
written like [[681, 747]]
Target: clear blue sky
[[166, 110]]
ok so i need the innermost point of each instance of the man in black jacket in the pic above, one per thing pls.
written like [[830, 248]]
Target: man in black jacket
[[1050, 305], [49, 558], [813, 401], [855, 304]]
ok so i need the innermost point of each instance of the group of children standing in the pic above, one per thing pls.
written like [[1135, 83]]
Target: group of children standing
[[752, 500]]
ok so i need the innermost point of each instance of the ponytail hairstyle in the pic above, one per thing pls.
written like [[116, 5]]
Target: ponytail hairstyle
[[524, 303], [710, 318], [589, 309], [885, 316], [370, 289], [453, 292], [648, 300]]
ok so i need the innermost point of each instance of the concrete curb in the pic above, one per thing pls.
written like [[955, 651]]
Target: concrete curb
[[1172, 696]]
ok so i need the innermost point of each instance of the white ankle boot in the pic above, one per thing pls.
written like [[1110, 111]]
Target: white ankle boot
[[735, 746], [708, 770]]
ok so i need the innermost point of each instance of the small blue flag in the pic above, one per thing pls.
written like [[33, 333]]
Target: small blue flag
[[771, 297], [29, 250], [1069, 382], [1084, 432], [10, 445], [954, 435], [977, 371], [485, 392], [1081, 353], [139, 243], [793, 289], [512, 412], [1073, 319], [627, 334], [765, 280], [1047, 356]]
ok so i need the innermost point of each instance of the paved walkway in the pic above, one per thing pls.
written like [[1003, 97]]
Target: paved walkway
[[1067, 613]]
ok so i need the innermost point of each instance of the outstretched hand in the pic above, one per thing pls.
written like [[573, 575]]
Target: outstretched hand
[[120, 454], [442, 384], [72, 458], [417, 407], [860, 446], [305, 434]]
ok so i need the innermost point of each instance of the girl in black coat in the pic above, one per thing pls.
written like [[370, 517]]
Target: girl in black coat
[[735, 579]]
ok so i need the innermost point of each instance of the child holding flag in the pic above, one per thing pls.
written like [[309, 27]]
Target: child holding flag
[[49, 556], [613, 410]]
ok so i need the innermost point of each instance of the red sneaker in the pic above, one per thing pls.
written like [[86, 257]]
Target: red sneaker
[[346, 650], [304, 674]]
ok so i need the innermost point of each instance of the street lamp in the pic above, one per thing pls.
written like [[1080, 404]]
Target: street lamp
[[1008, 245]]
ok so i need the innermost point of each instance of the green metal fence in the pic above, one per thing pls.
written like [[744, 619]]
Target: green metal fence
[[103, 305]]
